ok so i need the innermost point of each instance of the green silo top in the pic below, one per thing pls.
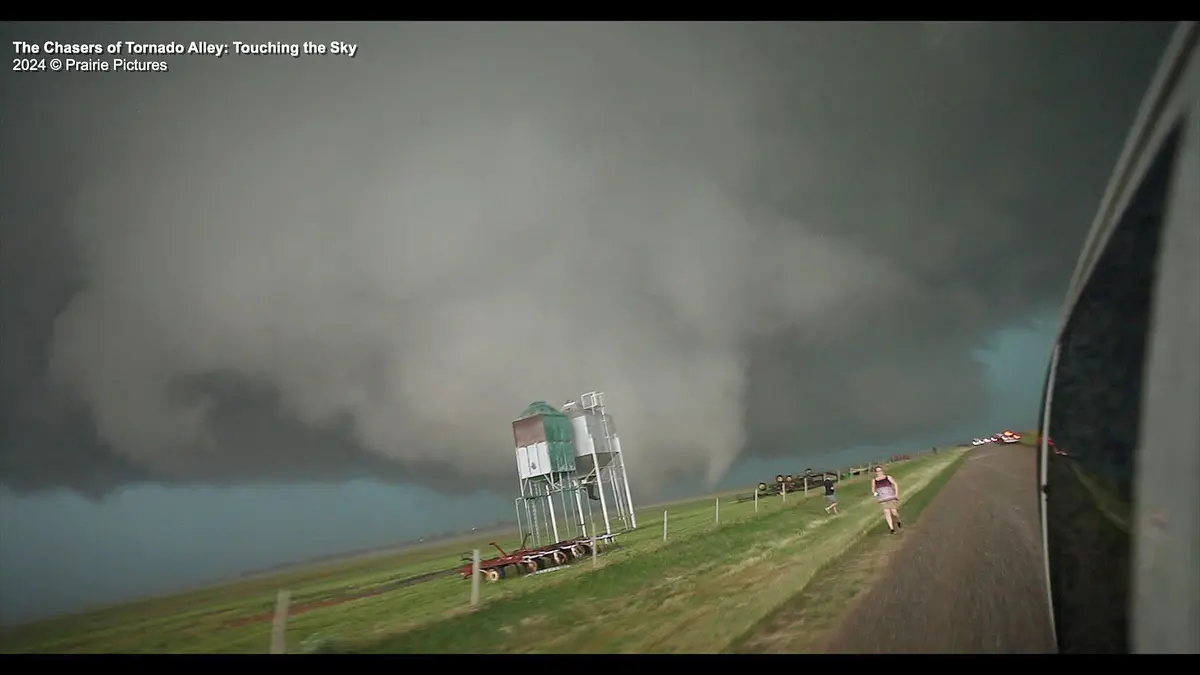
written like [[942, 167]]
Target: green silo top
[[541, 408]]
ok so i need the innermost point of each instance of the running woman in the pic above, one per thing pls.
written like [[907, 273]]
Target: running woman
[[830, 494], [885, 489]]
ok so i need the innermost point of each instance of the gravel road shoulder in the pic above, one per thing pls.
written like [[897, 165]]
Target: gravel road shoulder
[[968, 577]]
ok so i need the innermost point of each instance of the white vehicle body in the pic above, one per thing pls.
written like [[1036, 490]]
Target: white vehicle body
[[1118, 487]]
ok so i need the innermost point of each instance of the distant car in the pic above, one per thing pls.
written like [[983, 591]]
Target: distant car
[[1009, 437], [979, 441]]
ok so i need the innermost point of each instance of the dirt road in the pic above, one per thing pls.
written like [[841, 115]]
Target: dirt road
[[968, 577]]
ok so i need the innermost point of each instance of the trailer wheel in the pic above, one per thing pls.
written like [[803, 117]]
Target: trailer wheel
[[559, 557], [578, 551], [586, 548], [491, 575], [503, 571], [531, 567]]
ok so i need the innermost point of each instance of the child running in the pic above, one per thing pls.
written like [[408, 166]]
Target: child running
[[830, 494]]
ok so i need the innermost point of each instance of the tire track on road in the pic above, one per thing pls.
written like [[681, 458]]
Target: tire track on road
[[968, 577]]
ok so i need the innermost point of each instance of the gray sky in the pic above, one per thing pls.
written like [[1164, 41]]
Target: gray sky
[[761, 240]]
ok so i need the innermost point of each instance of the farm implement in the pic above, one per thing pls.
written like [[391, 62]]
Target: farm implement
[[525, 561], [810, 479]]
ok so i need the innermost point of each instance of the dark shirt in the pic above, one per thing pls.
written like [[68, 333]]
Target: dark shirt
[[828, 487]]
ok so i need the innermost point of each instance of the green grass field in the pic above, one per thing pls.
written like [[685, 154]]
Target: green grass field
[[696, 592]]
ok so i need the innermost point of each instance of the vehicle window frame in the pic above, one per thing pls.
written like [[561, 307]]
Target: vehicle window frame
[[1166, 461]]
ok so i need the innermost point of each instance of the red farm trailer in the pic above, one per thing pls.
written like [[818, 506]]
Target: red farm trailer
[[533, 560]]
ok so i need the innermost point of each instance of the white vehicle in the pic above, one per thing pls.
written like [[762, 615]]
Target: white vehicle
[[1009, 437], [1120, 511]]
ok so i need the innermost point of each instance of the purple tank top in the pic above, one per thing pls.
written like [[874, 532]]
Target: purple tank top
[[886, 490]]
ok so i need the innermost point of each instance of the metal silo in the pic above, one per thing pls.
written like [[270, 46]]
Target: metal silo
[[598, 459], [566, 460]]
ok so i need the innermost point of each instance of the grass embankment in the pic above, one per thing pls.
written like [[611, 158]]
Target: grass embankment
[[804, 622], [697, 594], [697, 591], [206, 620], [231, 618]]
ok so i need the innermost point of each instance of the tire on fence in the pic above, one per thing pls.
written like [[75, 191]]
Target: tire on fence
[[491, 575]]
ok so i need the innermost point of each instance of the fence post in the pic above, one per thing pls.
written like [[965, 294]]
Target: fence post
[[717, 512], [595, 545], [474, 578], [279, 626], [664, 525], [756, 499], [806, 486], [785, 493]]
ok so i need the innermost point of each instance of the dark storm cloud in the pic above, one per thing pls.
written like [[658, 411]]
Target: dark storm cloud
[[756, 238]]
